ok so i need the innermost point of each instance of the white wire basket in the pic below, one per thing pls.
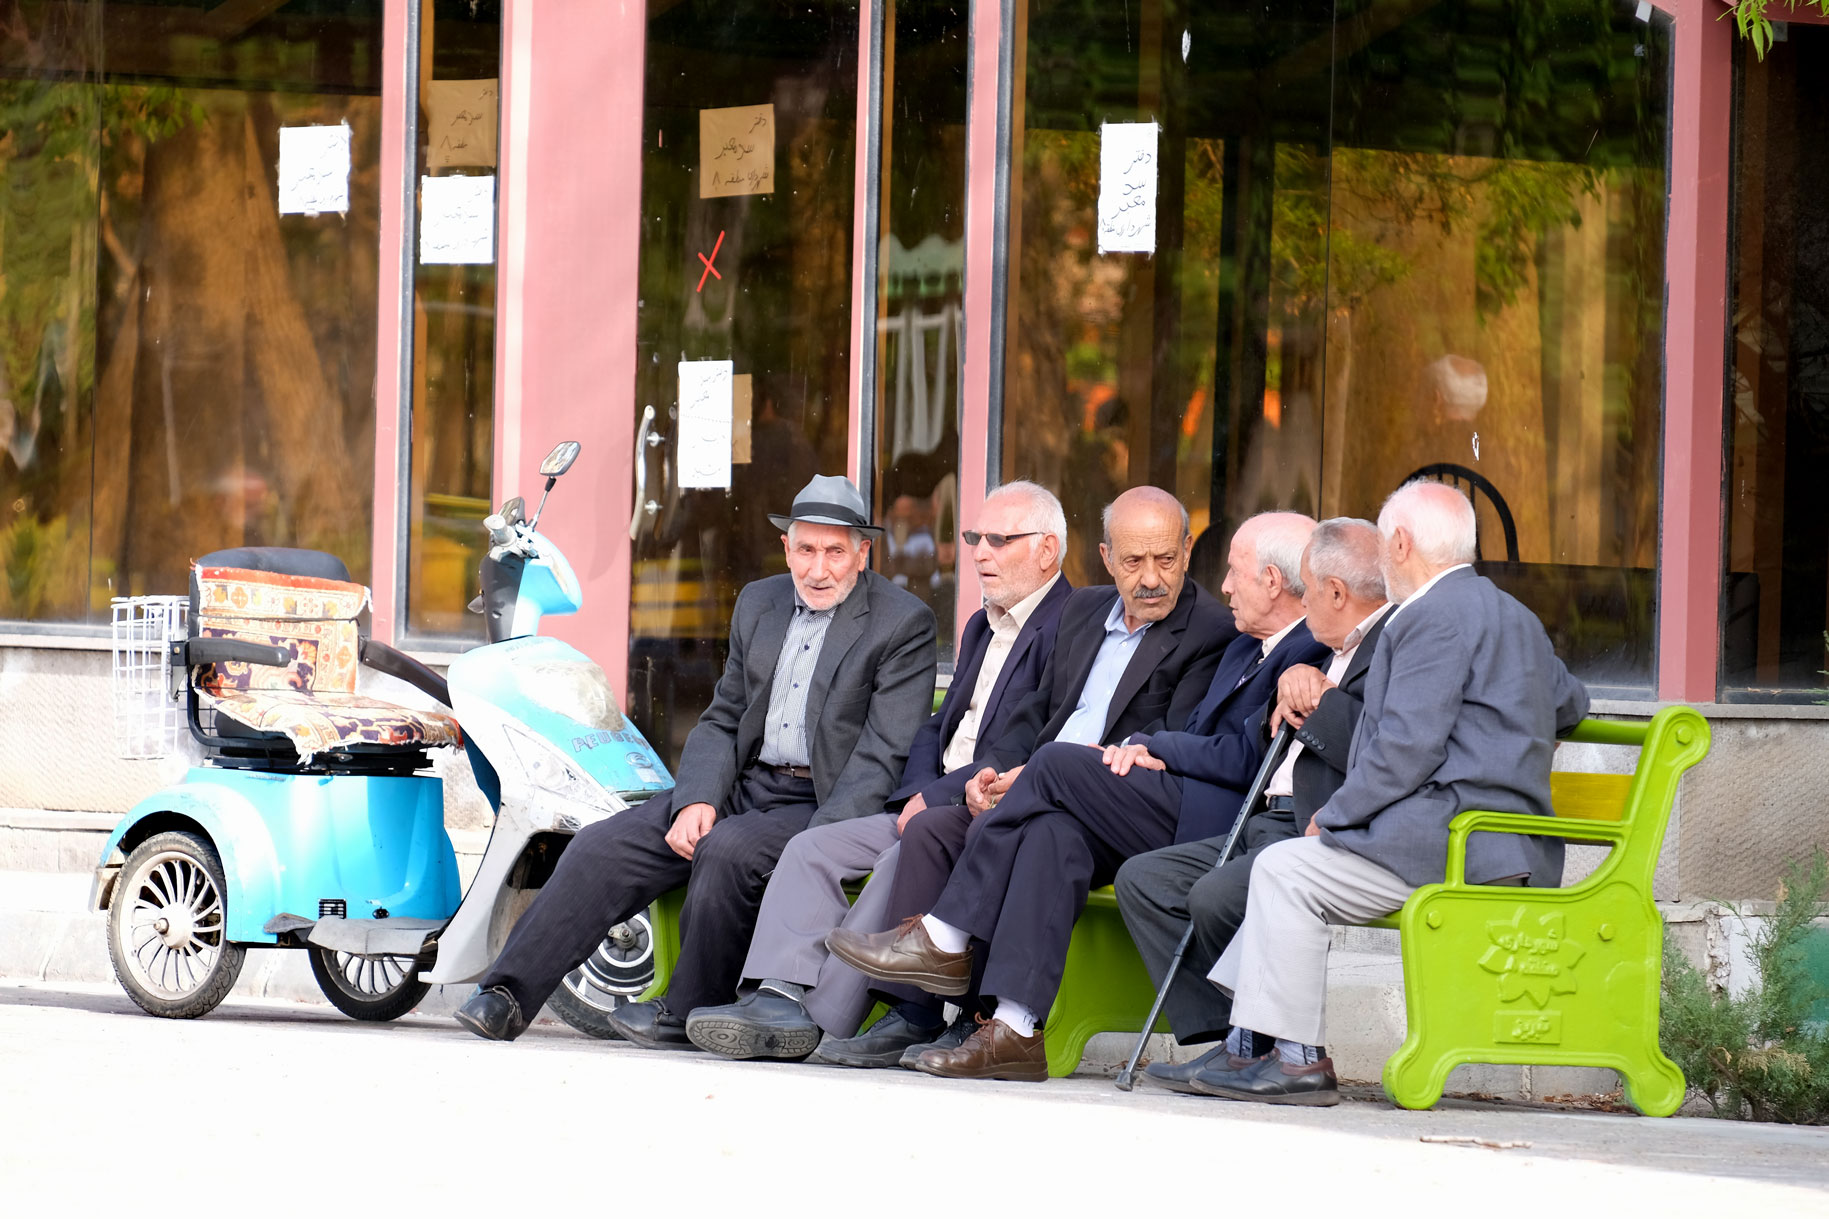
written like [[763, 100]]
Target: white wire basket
[[147, 720]]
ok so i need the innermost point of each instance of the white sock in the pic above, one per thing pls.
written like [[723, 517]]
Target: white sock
[[946, 937], [1020, 1019], [1296, 1054]]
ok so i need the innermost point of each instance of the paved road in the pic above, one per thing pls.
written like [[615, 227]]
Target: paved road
[[277, 1108]]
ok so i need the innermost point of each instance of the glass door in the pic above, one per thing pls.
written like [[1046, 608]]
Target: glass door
[[743, 330]]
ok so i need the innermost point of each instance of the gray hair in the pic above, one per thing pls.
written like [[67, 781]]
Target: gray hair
[[1439, 519], [1143, 494], [1044, 514], [1278, 540], [1345, 548], [858, 536]]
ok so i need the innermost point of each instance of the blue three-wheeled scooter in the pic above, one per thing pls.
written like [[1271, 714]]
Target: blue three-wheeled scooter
[[314, 821]]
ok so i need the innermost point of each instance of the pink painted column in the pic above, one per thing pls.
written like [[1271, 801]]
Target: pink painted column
[[863, 287], [570, 211], [392, 350], [982, 234], [1689, 548]]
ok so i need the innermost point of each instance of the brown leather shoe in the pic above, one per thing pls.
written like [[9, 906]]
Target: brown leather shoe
[[993, 1051], [906, 954]]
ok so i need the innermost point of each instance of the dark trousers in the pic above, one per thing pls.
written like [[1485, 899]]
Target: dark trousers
[[615, 868], [1159, 893], [931, 844], [1064, 827]]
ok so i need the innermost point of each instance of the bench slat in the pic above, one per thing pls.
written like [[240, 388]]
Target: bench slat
[[1589, 797]]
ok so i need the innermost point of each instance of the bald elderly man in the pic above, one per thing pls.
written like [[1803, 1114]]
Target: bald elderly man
[[1075, 814]]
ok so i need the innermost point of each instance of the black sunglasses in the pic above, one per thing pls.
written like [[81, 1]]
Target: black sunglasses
[[997, 540]]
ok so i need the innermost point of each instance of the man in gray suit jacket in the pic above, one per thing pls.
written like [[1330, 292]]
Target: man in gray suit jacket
[[1162, 892], [831, 671], [1463, 703]]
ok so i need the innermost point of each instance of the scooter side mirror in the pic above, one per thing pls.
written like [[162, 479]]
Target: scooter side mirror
[[560, 459], [515, 510]]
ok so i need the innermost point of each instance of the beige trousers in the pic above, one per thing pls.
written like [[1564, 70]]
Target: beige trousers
[[1275, 968]]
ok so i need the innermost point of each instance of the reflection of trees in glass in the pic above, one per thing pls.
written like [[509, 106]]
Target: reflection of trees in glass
[[180, 368]]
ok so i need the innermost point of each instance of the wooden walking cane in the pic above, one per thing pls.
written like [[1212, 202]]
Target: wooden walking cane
[[1127, 1078]]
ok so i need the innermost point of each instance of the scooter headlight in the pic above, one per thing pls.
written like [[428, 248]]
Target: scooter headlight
[[553, 773]]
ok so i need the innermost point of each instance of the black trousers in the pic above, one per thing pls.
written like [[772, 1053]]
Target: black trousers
[[1159, 893], [1064, 827], [613, 869]]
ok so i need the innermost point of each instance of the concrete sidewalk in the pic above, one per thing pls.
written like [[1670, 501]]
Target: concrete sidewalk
[[289, 1105]]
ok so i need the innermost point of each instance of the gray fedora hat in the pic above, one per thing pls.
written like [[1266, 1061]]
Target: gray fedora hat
[[829, 499]]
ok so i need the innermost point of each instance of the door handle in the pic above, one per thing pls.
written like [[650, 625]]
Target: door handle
[[642, 503]]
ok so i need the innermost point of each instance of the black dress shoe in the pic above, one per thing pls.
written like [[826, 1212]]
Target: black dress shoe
[[962, 1027], [492, 1015], [765, 1025], [1177, 1076], [1274, 1082], [880, 1045], [650, 1026]]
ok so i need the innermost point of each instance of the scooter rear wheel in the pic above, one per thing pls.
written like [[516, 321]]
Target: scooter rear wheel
[[368, 988], [620, 969], [167, 926]]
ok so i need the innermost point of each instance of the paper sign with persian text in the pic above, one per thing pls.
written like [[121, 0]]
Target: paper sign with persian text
[[1127, 188], [737, 151], [740, 419], [460, 123], [457, 219], [313, 170], [704, 423]]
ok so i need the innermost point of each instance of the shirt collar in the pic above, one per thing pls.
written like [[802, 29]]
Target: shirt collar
[[1022, 611], [1431, 582], [1356, 636], [1269, 645], [1114, 621]]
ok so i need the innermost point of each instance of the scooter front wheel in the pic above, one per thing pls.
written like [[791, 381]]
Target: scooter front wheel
[[167, 926], [620, 969], [368, 988]]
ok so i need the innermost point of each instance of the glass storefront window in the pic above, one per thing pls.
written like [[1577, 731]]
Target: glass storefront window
[[920, 290], [187, 364], [453, 341], [1775, 611], [1389, 239], [745, 257]]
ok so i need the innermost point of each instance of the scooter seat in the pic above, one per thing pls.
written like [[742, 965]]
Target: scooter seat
[[318, 721]]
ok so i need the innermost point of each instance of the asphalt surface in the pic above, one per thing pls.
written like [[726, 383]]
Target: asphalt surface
[[269, 1107]]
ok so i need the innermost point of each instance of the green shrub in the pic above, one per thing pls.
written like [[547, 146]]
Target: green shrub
[[1764, 1055]]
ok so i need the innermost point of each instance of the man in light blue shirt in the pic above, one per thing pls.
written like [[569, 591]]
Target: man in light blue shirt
[[1087, 723]]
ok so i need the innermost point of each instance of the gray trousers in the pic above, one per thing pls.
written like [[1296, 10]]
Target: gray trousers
[[1276, 966], [1161, 892], [806, 900]]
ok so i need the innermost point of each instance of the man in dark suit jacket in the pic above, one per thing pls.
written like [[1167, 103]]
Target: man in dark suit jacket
[[1110, 678], [1463, 704], [1076, 814], [1161, 892], [1016, 549], [831, 672]]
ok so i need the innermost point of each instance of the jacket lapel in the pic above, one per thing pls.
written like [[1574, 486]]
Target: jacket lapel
[[1077, 667], [965, 680], [1152, 649], [765, 646], [846, 628]]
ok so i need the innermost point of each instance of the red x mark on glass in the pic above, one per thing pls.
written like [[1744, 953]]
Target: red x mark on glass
[[709, 269]]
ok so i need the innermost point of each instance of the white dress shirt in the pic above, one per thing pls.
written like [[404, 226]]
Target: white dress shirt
[[1006, 625]]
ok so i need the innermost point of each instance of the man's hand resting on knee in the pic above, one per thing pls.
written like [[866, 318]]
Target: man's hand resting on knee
[[1122, 757], [691, 824], [915, 804], [987, 787]]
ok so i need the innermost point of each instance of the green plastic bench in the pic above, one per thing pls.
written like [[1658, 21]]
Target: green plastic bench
[[1493, 974]]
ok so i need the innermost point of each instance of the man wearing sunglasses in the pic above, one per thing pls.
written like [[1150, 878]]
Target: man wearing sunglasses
[[799, 992]]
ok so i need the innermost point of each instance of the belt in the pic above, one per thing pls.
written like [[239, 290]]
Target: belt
[[787, 772], [1279, 804]]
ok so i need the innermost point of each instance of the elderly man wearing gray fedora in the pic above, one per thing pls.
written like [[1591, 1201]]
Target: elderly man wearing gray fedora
[[831, 671]]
